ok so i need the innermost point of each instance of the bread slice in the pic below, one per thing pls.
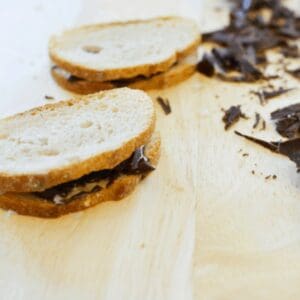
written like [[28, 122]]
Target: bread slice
[[123, 50], [29, 204], [177, 73], [63, 141]]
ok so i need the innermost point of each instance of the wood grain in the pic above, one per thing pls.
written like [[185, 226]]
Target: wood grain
[[201, 226]]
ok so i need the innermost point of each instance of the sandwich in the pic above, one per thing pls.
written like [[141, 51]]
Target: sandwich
[[146, 54], [70, 155]]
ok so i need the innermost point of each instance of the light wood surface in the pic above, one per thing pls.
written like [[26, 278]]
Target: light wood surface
[[200, 227]]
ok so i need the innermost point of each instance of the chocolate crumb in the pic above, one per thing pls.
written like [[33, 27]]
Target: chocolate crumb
[[253, 172], [164, 104], [263, 127], [268, 177], [274, 177], [47, 97], [232, 116], [245, 154]]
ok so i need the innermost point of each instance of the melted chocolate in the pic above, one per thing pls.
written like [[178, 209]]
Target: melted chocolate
[[138, 163]]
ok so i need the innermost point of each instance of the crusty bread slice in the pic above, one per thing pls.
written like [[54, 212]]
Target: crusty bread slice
[[177, 73], [123, 50], [29, 204], [63, 141]]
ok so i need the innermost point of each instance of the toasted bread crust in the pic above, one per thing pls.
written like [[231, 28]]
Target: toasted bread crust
[[108, 160], [171, 77], [147, 70], [28, 204]]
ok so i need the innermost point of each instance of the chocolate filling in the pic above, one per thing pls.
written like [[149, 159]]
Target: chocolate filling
[[137, 163]]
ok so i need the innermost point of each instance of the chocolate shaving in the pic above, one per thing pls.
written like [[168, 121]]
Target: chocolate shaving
[[290, 148], [287, 120], [257, 119], [266, 95], [232, 116], [272, 94], [138, 163], [164, 104]]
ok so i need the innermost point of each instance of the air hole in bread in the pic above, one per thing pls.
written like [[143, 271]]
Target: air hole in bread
[[70, 104], [3, 136], [115, 109], [86, 124], [43, 141], [49, 152], [91, 49]]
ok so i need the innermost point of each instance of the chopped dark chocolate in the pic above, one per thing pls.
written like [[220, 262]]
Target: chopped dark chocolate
[[138, 163], [290, 148], [164, 104], [255, 26], [232, 116], [266, 95], [287, 120]]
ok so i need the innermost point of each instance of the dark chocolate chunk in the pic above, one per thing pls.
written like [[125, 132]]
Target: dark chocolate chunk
[[164, 104], [206, 66], [232, 116], [290, 148], [287, 120]]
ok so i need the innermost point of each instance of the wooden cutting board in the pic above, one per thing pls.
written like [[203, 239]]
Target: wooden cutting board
[[202, 226]]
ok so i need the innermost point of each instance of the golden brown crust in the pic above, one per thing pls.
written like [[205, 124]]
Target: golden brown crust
[[107, 160], [123, 73], [28, 204], [171, 77]]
